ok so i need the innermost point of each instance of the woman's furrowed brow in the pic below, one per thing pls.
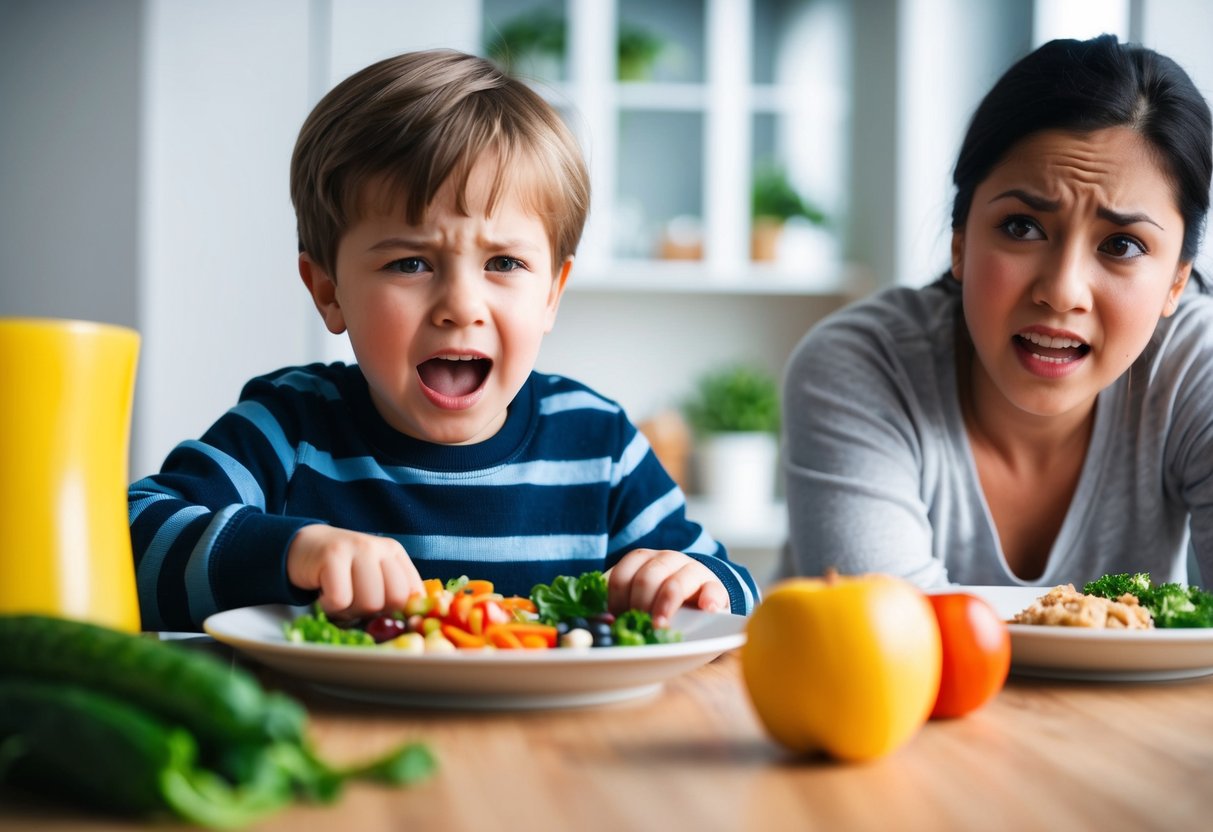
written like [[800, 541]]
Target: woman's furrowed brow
[[1039, 203], [1125, 219], [1033, 201]]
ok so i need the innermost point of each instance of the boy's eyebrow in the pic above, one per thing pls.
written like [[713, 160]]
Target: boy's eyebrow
[[507, 244], [398, 242], [1039, 203]]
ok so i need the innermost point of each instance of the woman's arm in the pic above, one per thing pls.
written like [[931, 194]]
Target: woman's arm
[[854, 433]]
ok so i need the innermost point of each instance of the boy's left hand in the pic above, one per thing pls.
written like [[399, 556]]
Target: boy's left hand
[[661, 581]]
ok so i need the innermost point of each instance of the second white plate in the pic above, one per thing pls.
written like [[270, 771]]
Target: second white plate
[[1098, 655]]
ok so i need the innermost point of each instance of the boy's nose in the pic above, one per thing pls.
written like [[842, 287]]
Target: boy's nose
[[459, 301], [1064, 281]]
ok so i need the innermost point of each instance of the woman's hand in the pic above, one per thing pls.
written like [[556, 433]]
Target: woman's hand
[[661, 581], [357, 574]]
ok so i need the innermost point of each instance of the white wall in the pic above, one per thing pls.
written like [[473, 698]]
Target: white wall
[[227, 84], [224, 92], [69, 109]]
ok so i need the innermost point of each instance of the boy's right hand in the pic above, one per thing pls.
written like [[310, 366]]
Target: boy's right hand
[[357, 574]]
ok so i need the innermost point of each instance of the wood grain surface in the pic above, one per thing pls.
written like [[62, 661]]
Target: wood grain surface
[[1043, 755]]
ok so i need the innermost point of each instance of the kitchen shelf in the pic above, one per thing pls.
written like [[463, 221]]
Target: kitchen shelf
[[678, 277]]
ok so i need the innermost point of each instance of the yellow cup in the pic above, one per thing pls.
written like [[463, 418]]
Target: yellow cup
[[66, 389]]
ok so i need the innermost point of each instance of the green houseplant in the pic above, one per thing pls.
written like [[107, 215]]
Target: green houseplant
[[534, 42], [734, 399], [735, 415], [523, 44], [774, 201]]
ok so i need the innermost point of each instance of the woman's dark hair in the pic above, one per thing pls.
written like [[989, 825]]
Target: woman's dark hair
[[1086, 85]]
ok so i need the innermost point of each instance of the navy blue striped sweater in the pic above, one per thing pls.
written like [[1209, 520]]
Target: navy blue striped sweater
[[566, 486]]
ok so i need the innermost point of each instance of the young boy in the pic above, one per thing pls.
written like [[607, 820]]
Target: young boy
[[439, 205]]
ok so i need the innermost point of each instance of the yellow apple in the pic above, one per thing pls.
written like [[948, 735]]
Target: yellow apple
[[848, 666]]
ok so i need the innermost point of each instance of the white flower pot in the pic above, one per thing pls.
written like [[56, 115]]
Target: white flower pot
[[737, 473]]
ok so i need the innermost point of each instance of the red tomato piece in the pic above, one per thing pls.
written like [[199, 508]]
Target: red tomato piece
[[976, 653], [494, 612]]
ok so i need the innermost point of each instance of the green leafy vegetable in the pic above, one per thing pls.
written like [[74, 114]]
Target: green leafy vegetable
[[315, 627], [1114, 586], [1171, 605], [635, 627], [568, 597]]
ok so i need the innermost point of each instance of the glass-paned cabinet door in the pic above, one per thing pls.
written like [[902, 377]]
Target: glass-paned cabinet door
[[661, 94], [661, 42], [798, 147], [707, 125], [527, 38], [659, 195]]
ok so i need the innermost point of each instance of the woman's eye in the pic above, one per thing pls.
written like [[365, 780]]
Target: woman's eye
[[1123, 247], [504, 264], [1021, 228], [407, 265]]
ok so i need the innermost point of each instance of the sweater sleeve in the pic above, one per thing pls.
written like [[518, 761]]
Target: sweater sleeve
[[853, 445], [648, 511], [207, 530], [1189, 455]]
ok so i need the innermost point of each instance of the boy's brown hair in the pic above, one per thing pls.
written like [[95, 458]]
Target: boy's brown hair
[[412, 122]]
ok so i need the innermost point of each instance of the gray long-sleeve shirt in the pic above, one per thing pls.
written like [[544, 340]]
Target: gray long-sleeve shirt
[[881, 478]]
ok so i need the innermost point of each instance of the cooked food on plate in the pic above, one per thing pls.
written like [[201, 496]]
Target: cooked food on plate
[[1127, 601], [1067, 607]]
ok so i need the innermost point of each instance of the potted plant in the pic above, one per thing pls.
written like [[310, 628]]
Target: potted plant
[[735, 415], [531, 44], [773, 201], [638, 50]]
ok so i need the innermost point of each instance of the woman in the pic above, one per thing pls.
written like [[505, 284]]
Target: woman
[[1043, 413]]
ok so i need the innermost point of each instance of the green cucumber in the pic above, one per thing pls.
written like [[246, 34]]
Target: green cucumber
[[65, 740], [218, 704]]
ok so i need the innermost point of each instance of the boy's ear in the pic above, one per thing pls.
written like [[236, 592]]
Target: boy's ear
[[556, 293], [323, 290]]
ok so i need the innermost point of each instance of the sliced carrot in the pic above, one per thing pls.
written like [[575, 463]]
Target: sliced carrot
[[522, 629], [477, 587], [535, 641], [476, 620], [517, 602], [462, 638], [499, 637], [432, 586]]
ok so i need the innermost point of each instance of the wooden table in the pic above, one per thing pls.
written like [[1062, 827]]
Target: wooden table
[[1043, 755]]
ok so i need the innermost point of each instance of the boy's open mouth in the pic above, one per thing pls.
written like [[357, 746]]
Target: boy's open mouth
[[1051, 350], [454, 376]]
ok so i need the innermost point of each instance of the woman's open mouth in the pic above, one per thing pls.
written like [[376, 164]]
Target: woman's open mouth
[[454, 382], [1049, 355]]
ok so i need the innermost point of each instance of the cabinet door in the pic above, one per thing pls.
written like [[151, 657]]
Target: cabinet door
[[683, 108]]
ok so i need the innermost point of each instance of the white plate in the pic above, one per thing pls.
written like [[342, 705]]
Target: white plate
[[498, 679], [1101, 655]]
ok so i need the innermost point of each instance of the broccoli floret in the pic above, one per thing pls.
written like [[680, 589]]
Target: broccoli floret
[[1114, 586], [1170, 605], [1173, 605]]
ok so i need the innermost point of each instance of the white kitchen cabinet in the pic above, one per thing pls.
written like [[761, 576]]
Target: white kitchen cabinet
[[738, 84]]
